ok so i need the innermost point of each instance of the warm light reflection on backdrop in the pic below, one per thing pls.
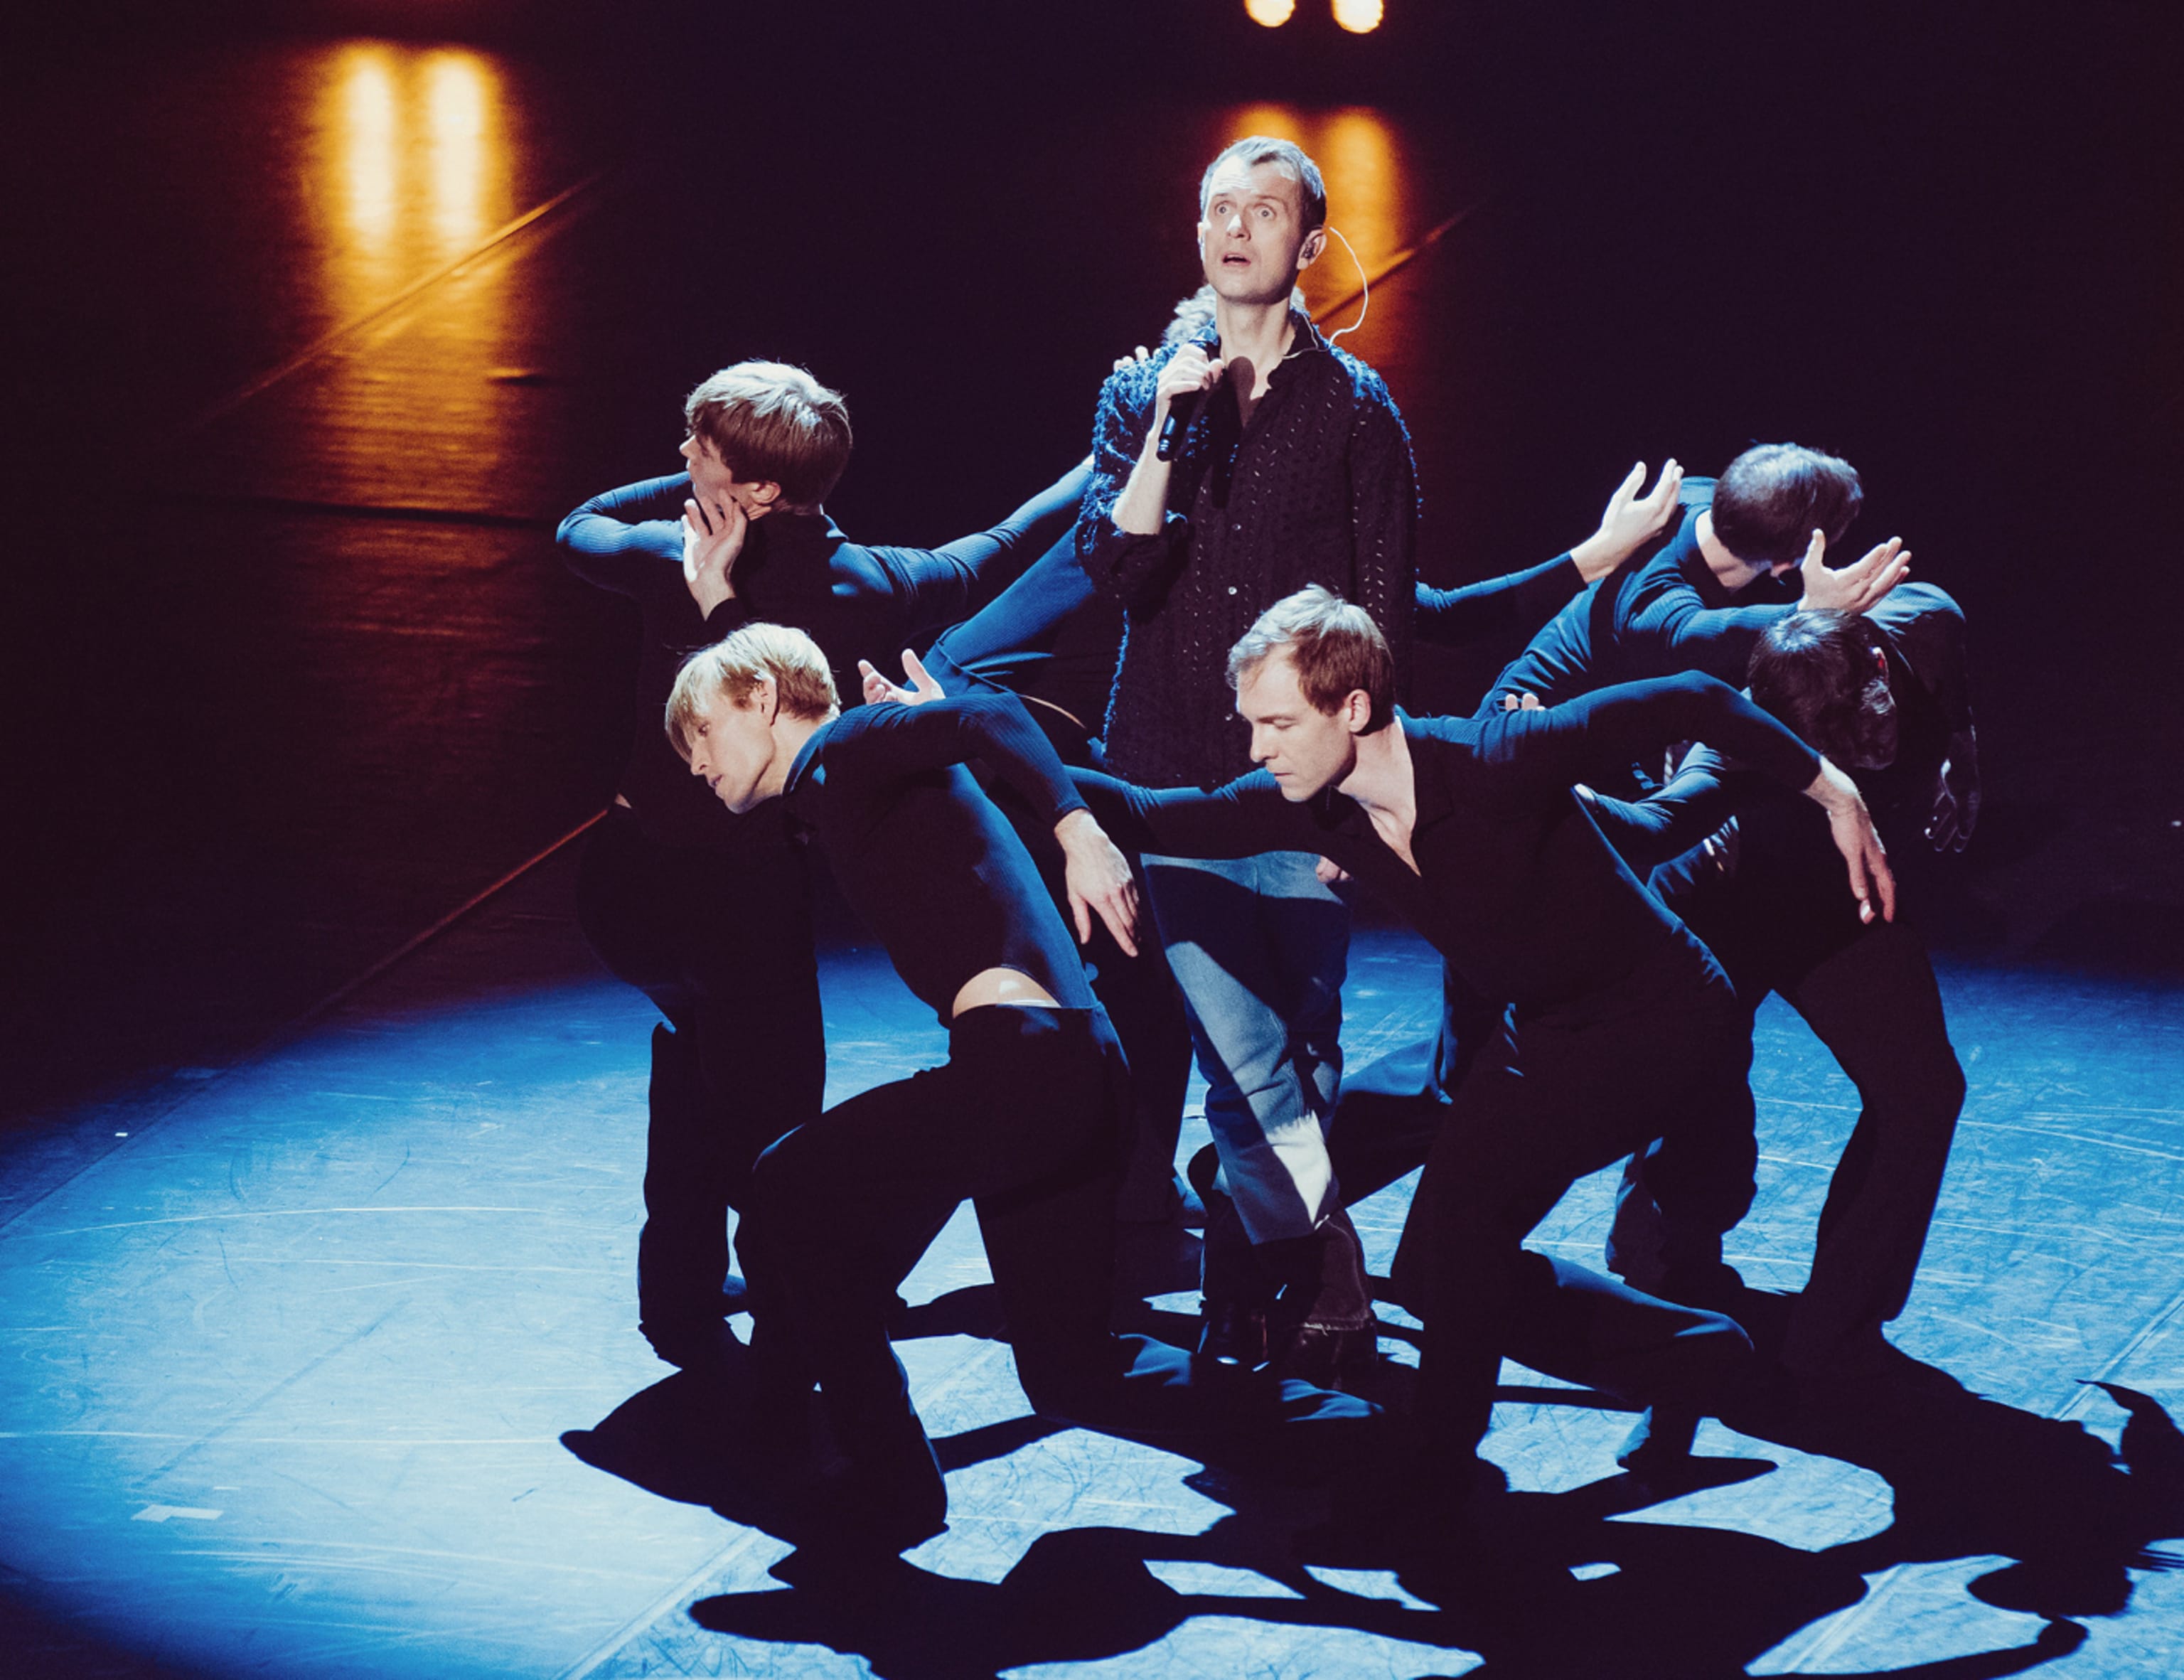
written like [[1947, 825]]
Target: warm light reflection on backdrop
[[409, 169], [458, 143], [407, 157], [1360, 155], [365, 119]]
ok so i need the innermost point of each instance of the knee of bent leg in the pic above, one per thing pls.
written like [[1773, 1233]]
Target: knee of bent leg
[[1953, 1087], [788, 1186], [1938, 1093], [1713, 1349]]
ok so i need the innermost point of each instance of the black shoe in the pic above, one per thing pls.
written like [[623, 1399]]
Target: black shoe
[[885, 1493], [1234, 1334], [1451, 1530], [861, 1515]]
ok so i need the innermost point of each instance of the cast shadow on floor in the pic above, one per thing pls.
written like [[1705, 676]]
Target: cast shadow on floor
[[1546, 1584]]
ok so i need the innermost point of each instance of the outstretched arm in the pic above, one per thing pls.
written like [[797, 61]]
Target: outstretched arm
[[1850, 825], [1630, 522], [615, 537], [921, 728], [1666, 626], [935, 587], [1694, 805], [1524, 601], [1247, 817], [1552, 749], [1495, 606]]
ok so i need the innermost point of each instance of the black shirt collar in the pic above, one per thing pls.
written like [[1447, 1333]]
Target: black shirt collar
[[1333, 809], [1685, 554], [1765, 590], [802, 772], [1305, 342], [788, 534], [1435, 802]]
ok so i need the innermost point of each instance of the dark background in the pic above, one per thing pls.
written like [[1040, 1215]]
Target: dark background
[[292, 672]]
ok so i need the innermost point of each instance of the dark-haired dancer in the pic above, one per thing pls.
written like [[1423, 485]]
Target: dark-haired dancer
[[1024, 1116], [1623, 1030], [1700, 600], [1886, 694], [1697, 602], [1293, 468], [678, 897]]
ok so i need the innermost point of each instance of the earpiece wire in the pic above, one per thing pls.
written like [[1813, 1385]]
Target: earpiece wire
[[1364, 286]]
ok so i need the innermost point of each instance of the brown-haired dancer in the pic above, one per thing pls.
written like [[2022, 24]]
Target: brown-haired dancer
[[1025, 1117], [1623, 1027], [681, 898], [1886, 694], [1695, 601]]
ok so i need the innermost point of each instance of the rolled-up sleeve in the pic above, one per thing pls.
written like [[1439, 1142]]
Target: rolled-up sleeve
[[1127, 567]]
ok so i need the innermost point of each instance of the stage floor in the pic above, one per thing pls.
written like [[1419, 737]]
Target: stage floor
[[317, 1345], [331, 1368]]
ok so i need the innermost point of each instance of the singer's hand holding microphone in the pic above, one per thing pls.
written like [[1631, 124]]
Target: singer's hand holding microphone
[[1189, 374]]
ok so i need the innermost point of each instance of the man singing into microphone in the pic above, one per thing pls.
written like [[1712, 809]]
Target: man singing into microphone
[[1286, 464]]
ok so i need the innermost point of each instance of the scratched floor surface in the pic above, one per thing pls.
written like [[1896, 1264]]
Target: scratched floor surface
[[331, 1369]]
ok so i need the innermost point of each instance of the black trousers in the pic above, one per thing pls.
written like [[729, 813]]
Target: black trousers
[[1873, 1001], [720, 938], [1026, 1117], [1392, 1109], [1138, 993], [1554, 1098]]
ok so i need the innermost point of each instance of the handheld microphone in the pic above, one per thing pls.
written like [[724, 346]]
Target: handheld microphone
[[1181, 411]]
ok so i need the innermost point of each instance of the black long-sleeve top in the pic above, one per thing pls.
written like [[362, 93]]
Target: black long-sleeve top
[[1495, 606], [1774, 901], [856, 601], [1319, 488], [922, 855], [1657, 613], [1514, 886], [1050, 637]]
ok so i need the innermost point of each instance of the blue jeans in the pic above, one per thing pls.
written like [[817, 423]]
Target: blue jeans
[[1259, 946]]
